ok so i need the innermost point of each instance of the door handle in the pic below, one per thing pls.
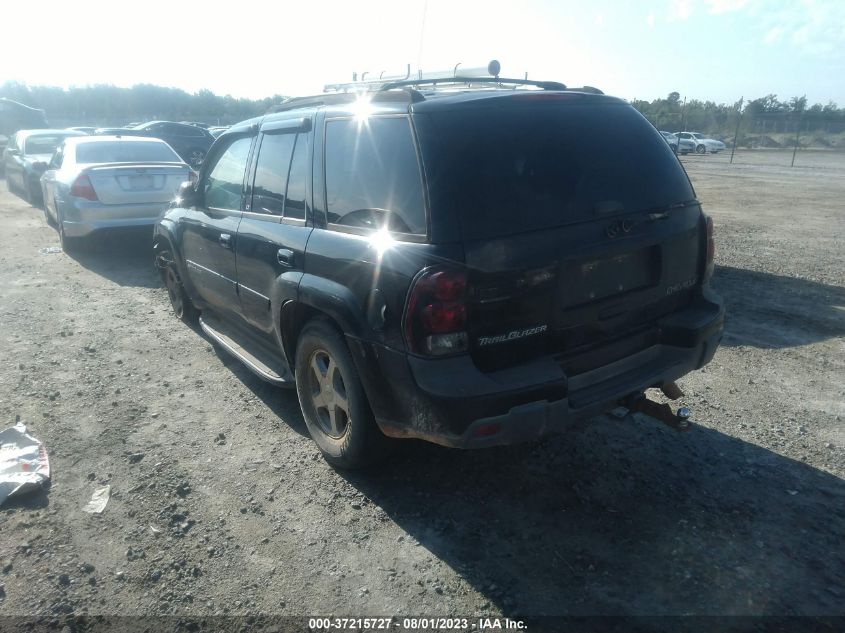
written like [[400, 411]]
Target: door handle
[[285, 257], [225, 240]]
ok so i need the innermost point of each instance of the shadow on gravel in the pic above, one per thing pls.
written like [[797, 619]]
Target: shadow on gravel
[[35, 500], [775, 311], [626, 518], [124, 257], [282, 402]]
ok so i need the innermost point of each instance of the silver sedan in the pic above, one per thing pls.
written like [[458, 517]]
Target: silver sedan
[[104, 182]]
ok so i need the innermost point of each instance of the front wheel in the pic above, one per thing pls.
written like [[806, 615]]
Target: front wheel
[[701, 149], [333, 401], [181, 303]]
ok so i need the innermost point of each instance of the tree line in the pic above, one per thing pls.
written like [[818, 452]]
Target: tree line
[[112, 105], [766, 115]]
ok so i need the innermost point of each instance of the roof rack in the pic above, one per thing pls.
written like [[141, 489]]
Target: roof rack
[[468, 81], [459, 75], [336, 98]]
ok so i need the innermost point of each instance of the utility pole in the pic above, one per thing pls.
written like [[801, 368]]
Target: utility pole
[[797, 132], [738, 121]]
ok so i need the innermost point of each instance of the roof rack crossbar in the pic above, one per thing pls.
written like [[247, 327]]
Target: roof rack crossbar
[[545, 85], [367, 84]]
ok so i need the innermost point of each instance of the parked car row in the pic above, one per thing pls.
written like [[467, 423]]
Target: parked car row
[[86, 183], [190, 141]]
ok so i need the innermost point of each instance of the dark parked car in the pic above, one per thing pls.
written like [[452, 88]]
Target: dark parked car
[[471, 268], [16, 116], [189, 141], [26, 157]]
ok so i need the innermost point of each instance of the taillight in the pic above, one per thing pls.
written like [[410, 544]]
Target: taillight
[[711, 248], [82, 188], [436, 313]]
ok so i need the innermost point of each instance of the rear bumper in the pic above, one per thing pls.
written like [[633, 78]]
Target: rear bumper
[[450, 402], [81, 219]]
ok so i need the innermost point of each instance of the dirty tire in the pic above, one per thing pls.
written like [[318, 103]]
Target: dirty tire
[[332, 399], [180, 302]]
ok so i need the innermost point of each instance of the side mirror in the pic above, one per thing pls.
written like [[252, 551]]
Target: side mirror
[[187, 196]]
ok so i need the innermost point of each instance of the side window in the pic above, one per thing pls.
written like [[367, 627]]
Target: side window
[[223, 186], [372, 175], [271, 173], [295, 204]]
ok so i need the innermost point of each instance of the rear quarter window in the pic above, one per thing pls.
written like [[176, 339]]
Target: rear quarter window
[[373, 176]]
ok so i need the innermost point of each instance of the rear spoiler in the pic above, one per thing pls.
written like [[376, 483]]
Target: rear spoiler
[[135, 165]]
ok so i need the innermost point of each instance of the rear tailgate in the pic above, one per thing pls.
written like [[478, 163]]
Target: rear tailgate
[[579, 225], [573, 289], [137, 183]]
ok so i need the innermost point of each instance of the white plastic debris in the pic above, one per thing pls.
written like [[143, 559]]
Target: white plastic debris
[[24, 465], [98, 500]]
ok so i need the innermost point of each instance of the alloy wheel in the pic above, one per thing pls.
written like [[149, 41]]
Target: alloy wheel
[[328, 394]]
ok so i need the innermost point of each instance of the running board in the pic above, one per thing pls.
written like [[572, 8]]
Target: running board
[[250, 353]]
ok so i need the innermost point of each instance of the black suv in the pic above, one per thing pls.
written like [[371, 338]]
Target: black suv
[[191, 142], [471, 267]]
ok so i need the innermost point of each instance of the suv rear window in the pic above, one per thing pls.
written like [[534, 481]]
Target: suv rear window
[[517, 168], [373, 175]]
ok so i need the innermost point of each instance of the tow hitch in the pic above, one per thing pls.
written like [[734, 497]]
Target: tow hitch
[[678, 420]]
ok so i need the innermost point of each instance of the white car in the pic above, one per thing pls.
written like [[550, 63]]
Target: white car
[[109, 182], [702, 143], [679, 146]]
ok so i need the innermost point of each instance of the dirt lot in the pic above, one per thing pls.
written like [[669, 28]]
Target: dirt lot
[[222, 505]]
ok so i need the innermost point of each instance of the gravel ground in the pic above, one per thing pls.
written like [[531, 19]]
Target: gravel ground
[[221, 504]]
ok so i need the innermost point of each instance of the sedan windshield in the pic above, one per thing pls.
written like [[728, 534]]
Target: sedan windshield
[[42, 144], [125, 152]]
